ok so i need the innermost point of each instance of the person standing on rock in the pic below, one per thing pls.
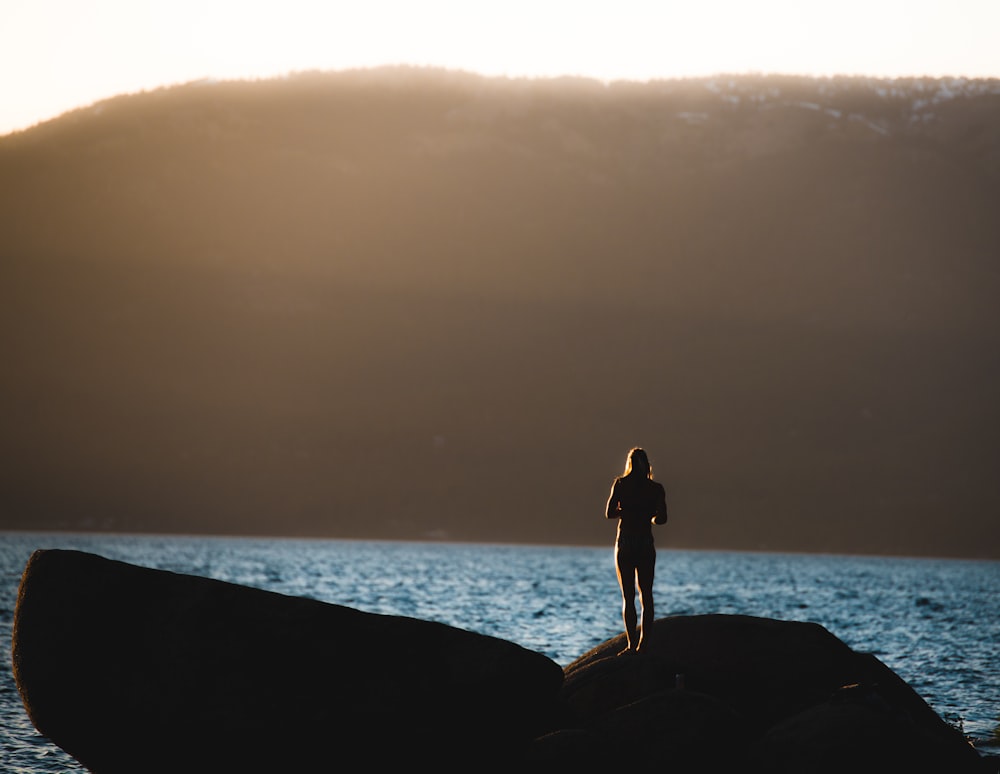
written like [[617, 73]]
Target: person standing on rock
[[638, 502]]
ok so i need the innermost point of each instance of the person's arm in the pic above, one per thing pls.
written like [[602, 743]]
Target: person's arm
[[613, 508], [660, 517]]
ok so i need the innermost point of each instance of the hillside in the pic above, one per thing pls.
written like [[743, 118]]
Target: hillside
[[407, 304]]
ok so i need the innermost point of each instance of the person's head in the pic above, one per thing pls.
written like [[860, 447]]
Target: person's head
[[638, 463]]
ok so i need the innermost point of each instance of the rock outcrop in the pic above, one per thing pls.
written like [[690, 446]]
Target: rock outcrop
[[132, 669], [738, 693]]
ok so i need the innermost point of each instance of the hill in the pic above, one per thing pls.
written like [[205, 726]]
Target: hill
[[408, 303]]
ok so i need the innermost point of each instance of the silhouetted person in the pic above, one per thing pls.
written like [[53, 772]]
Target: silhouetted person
[[637, 502]]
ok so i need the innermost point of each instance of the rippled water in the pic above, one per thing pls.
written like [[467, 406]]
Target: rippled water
[[934, 622]]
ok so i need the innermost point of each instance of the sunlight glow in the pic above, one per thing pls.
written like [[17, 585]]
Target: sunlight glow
[[60, 54]]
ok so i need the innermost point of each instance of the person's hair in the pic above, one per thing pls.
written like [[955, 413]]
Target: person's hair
[[638, 463]]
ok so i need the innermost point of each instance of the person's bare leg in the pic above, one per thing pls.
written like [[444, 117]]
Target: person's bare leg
[[645, 575], [626, 580]]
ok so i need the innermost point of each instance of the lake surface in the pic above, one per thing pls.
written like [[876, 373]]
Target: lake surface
[[933, 621]]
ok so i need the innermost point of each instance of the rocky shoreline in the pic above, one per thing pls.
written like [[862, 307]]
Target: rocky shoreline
[[128, 668]]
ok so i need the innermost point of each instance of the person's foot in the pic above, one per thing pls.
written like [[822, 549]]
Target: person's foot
[[626, 652]]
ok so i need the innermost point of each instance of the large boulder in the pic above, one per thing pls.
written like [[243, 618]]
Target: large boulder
[[132, 669], [765, 669], [858, 729], [726, 693]]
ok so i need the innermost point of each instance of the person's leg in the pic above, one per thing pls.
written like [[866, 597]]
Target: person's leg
[[644, 573], [626, 581]]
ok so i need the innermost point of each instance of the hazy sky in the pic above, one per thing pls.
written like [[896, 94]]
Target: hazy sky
[[59, 54]]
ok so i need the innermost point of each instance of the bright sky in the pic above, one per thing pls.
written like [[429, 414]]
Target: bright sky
[[56, 55]]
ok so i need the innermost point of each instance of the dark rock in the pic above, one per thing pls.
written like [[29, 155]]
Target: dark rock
[[570, 748], [859, 730], [758, 695], [131, 669], [766, 670], [677, 731]]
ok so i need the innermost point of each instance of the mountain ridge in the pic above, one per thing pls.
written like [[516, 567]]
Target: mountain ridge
[[259, 286]]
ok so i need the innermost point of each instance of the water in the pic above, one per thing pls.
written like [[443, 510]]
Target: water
[[932, 621]]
